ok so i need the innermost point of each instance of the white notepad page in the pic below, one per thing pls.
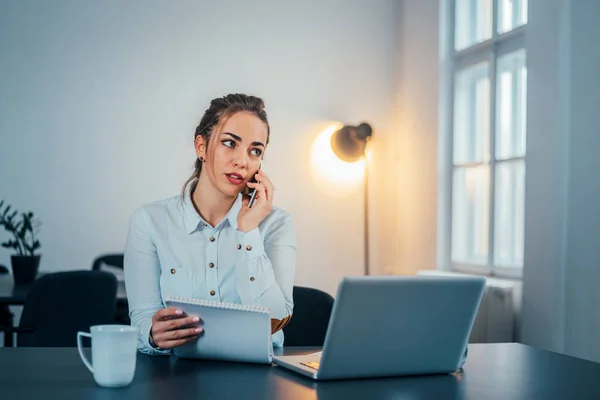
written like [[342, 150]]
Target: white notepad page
[[232, 332]]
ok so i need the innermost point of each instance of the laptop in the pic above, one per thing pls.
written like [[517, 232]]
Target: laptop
[[383, 326]]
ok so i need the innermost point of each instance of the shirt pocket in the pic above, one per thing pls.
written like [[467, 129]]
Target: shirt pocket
[[175, 280]]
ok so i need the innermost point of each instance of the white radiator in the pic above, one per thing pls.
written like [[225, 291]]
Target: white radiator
[[497, 317]]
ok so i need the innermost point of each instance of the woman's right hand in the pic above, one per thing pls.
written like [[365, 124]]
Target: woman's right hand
[[172, 328]]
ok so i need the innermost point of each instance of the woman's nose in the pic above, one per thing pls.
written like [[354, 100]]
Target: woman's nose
[[240, 160]]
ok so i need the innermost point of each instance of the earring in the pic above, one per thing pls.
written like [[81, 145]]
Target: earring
[[201, 159]]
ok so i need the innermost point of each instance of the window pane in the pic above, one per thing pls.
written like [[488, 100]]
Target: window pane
[[511, 14], [511, 113], [473, 22], [470, 215], [509, 214], [472, 115]]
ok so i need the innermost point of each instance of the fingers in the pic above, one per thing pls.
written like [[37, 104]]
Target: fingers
[[181, 333], [261, 191], [263, 182], [177, 323], [169, 344], [264, 179], [175, 343], [167, 313], [170, 329]]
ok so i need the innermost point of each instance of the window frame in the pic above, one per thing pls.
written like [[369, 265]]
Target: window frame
[[452, 61]]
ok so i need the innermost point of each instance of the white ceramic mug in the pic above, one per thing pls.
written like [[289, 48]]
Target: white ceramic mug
[[114, 353]]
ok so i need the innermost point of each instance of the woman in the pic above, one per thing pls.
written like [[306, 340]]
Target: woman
[[208, 243]]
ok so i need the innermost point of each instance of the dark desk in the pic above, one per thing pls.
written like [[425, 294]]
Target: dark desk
[[14, 295], [493, 371]]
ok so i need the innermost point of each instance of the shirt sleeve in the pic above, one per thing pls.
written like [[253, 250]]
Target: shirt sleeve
[[265, 266], [142, 279]]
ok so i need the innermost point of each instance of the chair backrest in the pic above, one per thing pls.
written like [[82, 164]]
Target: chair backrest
[[60, 304], [114, 260], [6, 316], [312, 310]]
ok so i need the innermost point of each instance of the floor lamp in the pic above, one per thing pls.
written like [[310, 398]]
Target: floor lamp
[[349, 144]]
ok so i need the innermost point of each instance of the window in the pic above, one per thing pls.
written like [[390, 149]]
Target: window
[[483, 123]]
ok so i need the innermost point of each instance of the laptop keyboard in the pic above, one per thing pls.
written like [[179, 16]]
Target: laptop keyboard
[[311, 364]]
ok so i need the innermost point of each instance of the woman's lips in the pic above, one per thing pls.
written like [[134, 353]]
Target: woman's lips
[[235, 179]]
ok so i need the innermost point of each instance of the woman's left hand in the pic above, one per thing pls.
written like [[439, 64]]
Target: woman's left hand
[[249, 218]]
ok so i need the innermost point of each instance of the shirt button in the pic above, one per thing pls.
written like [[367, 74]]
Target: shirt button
[[212, 239], [173, 270], [239, 246], [205, 224], [211, 265], [248, 247], [212, 292], [251, 279]]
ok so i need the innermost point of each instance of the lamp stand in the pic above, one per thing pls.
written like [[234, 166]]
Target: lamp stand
[[366, 216]]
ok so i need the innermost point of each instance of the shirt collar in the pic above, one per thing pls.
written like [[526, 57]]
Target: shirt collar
[[190, 215], [233, 212], [192, 218]]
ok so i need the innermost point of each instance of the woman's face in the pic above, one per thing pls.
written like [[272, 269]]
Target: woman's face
[[234, 152]]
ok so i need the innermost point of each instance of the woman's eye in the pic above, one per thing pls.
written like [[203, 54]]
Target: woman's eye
[[256, 152], [228, 143]]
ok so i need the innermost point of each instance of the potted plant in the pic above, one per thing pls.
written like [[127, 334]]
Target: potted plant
[[25, 262]]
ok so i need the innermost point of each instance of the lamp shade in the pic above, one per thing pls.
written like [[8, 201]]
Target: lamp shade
[[349, 142]]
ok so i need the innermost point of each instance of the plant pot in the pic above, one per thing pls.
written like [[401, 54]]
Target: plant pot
[[25, 268]]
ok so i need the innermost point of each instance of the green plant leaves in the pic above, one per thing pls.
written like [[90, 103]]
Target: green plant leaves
[[36, 245], [11, 244], [22, 229]]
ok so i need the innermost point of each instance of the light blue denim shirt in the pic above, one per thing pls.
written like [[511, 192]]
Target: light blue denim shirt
[[171, 250]]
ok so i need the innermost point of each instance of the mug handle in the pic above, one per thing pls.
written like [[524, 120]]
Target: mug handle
[[83, 357]]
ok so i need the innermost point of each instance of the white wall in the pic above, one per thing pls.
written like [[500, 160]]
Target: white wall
[[417, 98], [99, 101], [546, 175], [582, 325], [563, 226]]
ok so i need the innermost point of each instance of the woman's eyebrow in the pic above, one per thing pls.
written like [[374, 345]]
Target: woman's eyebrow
[[234, 136], [239, 139]]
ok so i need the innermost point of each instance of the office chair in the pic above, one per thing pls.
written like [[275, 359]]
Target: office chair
[[59, 305], [6, 317], [312, 310], [114, 260]]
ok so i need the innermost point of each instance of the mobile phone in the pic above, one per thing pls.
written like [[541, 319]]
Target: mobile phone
[[253, 191]]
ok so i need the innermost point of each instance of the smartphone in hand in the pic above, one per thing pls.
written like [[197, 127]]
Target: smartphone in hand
[[252, 192]]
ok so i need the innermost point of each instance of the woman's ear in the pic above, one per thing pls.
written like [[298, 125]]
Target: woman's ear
[[200, 147]]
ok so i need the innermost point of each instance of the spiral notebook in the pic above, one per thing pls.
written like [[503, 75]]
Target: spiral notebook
[[232, 332]]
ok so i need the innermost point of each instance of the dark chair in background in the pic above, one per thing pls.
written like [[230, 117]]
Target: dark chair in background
[[6, 317], [114, 260], [312, 310], [59, 305]]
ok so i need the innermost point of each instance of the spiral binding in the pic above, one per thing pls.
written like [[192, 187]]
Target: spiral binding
[[217, 304]]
